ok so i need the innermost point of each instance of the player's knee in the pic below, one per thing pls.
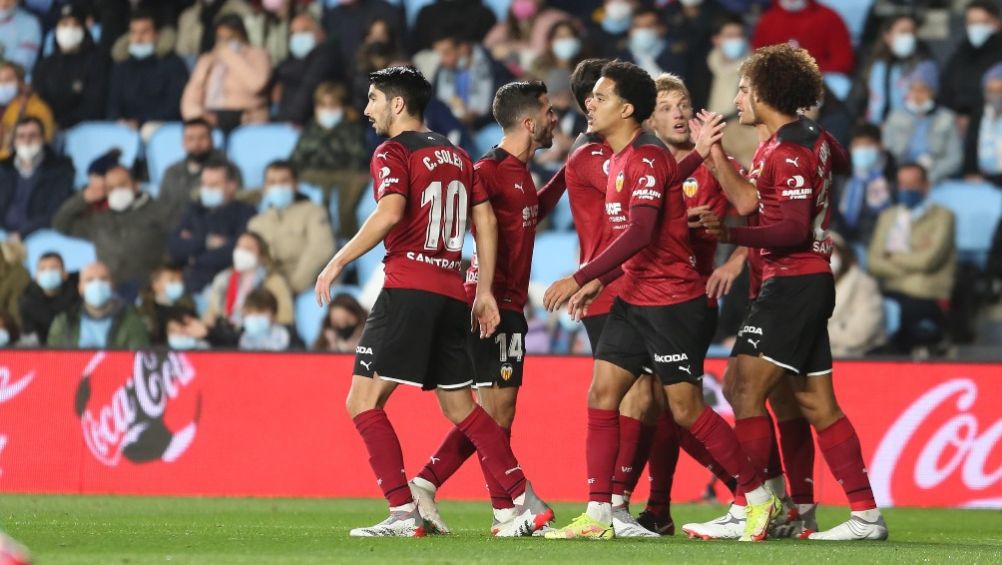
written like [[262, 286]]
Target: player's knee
[[355, 405], [686, 415], [602, 397]]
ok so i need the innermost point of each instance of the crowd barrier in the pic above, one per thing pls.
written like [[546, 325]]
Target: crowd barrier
[[237, 424]]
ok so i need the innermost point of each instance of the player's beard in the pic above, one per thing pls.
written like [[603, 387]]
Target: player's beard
[[545, 138]]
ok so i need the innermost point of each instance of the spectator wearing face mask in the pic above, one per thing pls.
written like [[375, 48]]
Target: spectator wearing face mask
[[102, 321], [610, 25], [649, 48], [18, 100], [34, 182], [522, 37], [914, 257], [20, 34], [564, 50], [312, 61], [203, 240], [924, 132], [467, 77], [261, 330], [197, 24], [869, 190], [980, 50], [813, 26], [165, 295], [857, 322], [691, 25], [894, 58], [52, 291], [347, 22], [250, 271], [983, 148], [130, 234], [342, 326], [146, 87], [730, 49], [73, 80], [267, 25], [185, 332], [297, 231], [182, 179]]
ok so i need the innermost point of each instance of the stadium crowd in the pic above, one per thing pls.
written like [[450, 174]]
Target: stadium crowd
[[259, 105]]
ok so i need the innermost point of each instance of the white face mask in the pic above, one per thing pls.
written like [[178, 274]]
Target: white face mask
[[8, 90], [120, 198], [28, 152], [243, 260], [903, 45], [793, 5], [69, 37]]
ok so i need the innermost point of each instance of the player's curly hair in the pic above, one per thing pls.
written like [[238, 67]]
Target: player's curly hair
[[583, 79], [633, 85], [785, 78]]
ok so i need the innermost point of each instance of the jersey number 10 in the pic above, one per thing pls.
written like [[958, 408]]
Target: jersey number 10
[[451, 225]]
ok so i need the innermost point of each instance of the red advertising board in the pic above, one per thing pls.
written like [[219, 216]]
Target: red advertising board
[[229, 424]]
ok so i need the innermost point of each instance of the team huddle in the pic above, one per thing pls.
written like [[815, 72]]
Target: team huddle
[[650, 187]]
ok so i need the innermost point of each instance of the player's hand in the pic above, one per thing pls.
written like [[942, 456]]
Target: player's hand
[[582, 299], [715, 227], [325, 280], [484, 316], [722, 279], [694, 213], [707, 132], [559, 293]]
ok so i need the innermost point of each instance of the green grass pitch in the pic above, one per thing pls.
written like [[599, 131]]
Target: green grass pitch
[[134, 530]]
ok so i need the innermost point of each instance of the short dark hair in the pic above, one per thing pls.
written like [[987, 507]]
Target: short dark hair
[[197, 122], [283, 164], [53, 255], [232, 22], [647, 11], [18, 69], [515, 101], [261, 299], [144, 13], [30, 120], [583, 79], [917, 166], [990, 6], [633, 85], [232, 173], [867, 131], [406, 82], [728, 19], [785, 78]]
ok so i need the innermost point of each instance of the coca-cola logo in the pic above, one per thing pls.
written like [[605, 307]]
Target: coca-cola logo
[[143, 406], [939, 445]]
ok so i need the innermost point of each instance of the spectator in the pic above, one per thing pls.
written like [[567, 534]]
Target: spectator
[[102, 320], [611, 24], [893, 60], [227, 85], [450, 14], [857, 323], [913, 256], [130, 234], [983, 148], [869, 190], [378, 51], [649, 46], [813, 26], [342, 326], [196, 26], [250, 271], [517, 41], [924, 132], [34, 182], [185, 332], [267, 25], [165, 38], [10, 334], [203, 241], [980, 50], [313, 61], [563, 50], [347, 21], [20, 34], [18, 101], [467, 78], [147, 86], [730, 49], [297, 231], [691, 26], [73, 80], [53, 291], [260, 330], [165, 295], [183, 178], [331, 152], [832, 114], [14, 278]]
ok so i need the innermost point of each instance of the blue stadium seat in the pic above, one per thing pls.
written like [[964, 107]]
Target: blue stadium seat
[[561, 217], [314, 193], [252, 147], [485, 138], [76, 252], [469, 247], [978, 208], [499, 7], [367, 264], [165, 148], [555, 256], [853, 13], [89, 140], [892, 316], [309, 316]]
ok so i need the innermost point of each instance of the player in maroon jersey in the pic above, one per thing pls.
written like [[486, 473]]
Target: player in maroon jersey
[[785, 335], [657, 318], [524, 112], [417, 331]]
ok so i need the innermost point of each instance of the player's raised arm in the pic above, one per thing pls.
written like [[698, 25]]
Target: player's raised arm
[[485, 308], [742, 194]]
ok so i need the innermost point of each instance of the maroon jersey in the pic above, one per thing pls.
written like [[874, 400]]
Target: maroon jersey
[[664, 272], [702, 189], [793, 171], [512, 194], [424, 251]]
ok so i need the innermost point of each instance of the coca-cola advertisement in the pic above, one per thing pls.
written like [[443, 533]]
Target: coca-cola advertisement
[[238, 424]]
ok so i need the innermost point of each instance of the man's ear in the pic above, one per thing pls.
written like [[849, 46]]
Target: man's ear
[[627, 110]]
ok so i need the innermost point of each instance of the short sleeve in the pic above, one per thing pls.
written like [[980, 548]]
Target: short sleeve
[[481, 187], [389, 170], [646, 176], [792, 173]]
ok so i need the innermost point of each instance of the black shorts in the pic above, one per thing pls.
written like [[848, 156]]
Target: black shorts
[[709, 327], [418, 338], [593, 327], [787, 324], [499, 359], [669, 339]]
